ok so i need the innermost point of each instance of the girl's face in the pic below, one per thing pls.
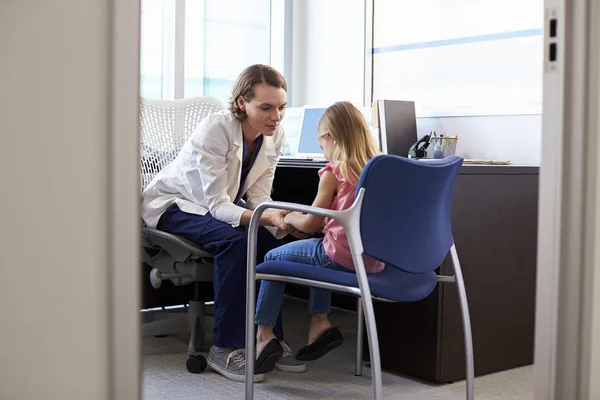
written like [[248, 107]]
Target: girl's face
[[328, 145], [265, 111]]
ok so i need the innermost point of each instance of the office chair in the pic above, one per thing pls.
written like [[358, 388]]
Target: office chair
[[401, 216], [165, 125]]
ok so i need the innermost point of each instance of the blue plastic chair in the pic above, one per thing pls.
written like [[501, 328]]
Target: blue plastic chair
[[401, 216]]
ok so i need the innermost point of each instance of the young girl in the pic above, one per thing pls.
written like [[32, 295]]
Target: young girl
[[348, 145]]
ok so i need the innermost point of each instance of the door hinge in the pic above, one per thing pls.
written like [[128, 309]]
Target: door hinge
[[551, 50]]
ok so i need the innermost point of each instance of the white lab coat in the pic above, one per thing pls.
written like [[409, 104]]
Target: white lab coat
[[205, 176]]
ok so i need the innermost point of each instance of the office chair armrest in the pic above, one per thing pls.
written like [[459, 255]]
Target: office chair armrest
[[282, 205], [347, 218], [339, 216], [179, 248]]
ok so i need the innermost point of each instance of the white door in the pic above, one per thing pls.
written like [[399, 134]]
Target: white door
[[69, 196], [568, 285]]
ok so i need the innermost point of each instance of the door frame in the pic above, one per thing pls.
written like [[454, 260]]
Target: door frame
[[124, 202], [568, 220]]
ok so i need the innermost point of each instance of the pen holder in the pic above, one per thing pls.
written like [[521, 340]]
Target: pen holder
[[441, 146]]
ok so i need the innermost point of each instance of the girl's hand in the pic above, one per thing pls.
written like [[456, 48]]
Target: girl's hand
[[291, 215]]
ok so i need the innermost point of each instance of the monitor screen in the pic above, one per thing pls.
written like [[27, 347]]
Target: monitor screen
[[308, 143]]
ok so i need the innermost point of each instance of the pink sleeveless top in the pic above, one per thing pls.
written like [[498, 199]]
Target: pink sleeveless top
[[335, 241]]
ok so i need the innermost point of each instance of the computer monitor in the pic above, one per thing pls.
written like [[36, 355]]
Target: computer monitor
[[397, 126], [308, 144]]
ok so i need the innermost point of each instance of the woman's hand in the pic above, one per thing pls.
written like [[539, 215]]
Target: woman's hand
[[278, 220]]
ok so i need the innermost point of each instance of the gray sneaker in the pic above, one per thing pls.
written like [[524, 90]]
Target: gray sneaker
[[288, 362], [230, 363]]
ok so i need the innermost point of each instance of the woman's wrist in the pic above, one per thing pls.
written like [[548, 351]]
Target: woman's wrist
[[266, 219]]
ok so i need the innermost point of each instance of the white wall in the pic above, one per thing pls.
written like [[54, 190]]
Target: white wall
[[493, 77], [328, 51], [328, 66], [517, 138], [55, 88]]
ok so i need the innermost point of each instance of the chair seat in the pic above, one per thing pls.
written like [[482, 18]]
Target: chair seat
[[179, 247], [390, 284]]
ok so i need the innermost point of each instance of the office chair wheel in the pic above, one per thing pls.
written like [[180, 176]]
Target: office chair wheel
[[196, 364], [155, 279]]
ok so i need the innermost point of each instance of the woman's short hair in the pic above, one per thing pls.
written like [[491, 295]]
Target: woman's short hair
[[250, 77]]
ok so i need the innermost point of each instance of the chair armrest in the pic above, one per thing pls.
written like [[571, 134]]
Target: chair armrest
[[282, 205], [348, 218], [179, 248], [340, 216]]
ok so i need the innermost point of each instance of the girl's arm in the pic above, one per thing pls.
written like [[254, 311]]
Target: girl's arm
[[308, 223]]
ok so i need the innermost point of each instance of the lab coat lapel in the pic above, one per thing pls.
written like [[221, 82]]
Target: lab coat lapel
[[236, 162]]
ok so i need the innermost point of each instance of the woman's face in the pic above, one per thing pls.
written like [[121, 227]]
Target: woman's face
[[265, 111]]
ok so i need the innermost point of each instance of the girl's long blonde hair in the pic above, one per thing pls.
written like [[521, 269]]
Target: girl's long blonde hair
[[355, 144]]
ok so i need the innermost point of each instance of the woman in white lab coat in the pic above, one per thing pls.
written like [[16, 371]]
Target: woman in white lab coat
[[230, 157]]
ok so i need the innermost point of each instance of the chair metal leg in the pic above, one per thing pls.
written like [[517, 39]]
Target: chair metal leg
[[195, 318], [462, 295], [251, 306], [373, 347], [358, 367]]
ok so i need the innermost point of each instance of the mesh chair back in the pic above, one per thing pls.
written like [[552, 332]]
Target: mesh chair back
[[165, 125]]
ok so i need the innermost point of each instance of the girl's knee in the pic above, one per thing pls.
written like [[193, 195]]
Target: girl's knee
[[271, 255]]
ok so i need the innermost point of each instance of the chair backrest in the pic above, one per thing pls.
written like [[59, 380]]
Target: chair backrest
[[165, 126], [405, 215]]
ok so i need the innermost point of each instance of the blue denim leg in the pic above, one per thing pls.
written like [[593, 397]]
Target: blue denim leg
[[270, 297], [320, 299], [269, 303]]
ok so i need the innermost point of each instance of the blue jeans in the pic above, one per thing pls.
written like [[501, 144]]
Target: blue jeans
[[270, 296]]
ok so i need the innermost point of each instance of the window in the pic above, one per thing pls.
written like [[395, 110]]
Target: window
[[151, 56], [219, 39], [460, 57]]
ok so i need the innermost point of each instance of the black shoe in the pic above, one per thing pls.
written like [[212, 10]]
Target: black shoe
[[269, 356], [328, 341]]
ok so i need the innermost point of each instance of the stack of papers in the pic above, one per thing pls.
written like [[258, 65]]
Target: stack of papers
[[487, 162]]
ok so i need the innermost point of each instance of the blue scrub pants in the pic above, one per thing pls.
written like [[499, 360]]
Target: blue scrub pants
[[229, 246]]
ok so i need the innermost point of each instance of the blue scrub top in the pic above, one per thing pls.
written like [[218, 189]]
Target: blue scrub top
[[246, 167]]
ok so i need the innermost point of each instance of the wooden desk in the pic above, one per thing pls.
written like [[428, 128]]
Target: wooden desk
[[494, 219]]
